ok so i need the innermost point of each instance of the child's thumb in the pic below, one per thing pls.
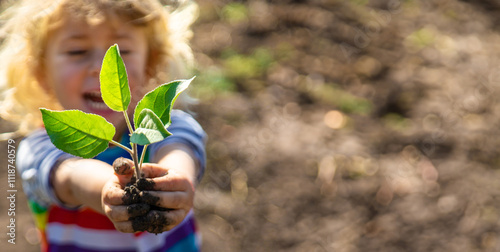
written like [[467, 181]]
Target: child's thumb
[[123, 166]]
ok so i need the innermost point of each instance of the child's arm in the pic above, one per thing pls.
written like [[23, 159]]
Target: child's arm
[[36, 158], [75, 181], [80, 181]]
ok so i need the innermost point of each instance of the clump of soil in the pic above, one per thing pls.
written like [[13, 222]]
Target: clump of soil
[[142, 206]]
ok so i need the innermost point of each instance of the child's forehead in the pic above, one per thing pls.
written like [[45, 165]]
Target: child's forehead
[[80, 30], [76, 25]]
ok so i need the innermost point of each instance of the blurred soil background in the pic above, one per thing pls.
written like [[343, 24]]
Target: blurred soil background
[[336, 125]]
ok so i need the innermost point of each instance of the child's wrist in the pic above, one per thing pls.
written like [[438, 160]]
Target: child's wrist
[[180, 158]]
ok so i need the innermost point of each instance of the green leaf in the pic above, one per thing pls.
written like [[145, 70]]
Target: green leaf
[[115, 90], [150, 130], [78, 133], [161, 100]]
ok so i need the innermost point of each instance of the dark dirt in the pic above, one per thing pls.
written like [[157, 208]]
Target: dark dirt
[[343, 125], [145, 184], [139, 209], [154, 222], [142, 206]]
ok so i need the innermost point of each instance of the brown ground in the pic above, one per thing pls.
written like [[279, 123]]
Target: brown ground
[[342, 125]]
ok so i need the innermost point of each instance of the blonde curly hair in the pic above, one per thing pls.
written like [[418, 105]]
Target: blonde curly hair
[[27, 24]]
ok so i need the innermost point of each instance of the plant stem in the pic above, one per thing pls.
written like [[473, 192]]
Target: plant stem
[[136, 163], [142, 155], [130, 129], [134, 153], [122, 146]]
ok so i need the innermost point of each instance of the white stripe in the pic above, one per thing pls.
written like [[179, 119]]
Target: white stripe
[[199, 239], [148, 241], [61, 234]]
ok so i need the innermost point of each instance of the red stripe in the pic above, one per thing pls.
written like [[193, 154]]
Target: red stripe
[[85, 218]]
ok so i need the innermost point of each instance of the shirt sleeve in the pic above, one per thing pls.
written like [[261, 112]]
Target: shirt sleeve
[[185, 129], [35, 159]]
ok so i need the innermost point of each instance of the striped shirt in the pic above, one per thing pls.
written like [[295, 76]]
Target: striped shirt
[[82, 229]]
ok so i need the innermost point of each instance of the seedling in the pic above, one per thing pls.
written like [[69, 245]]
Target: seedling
[[86, 135]]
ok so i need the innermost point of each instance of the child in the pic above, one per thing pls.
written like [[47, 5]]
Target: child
[[51, 57]]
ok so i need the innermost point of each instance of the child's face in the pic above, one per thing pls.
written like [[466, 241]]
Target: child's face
[[73, 61]]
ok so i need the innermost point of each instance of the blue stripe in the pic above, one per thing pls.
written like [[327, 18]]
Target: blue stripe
[[187, 244], [74, 248]]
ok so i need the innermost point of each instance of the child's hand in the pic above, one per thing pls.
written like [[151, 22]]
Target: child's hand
[[172, 190], [113, 193], [156, 211]]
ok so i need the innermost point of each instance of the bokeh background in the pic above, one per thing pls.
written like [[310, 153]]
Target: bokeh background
[[342, 125]]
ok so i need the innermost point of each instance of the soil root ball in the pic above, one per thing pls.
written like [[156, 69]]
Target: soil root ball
[[145, 184], [148, 198], [140, 209], [143, 208], [132, 195], [154, 222]]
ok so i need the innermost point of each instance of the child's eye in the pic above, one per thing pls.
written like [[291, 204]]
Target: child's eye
[[124, 52], [76, 52]]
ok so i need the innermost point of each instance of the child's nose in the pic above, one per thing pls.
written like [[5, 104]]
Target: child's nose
[[96, 63]]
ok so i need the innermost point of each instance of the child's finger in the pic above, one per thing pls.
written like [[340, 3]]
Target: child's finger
[[152, 170], [124, 226], [123, 166], [113, 195], [171, 200], [173, 218], [165, 181], [124, 213], [172, 182], [116, 213]]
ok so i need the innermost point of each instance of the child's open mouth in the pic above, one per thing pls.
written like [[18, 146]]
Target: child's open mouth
[[94, 100]]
